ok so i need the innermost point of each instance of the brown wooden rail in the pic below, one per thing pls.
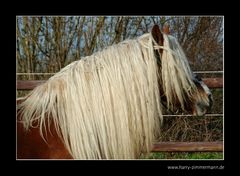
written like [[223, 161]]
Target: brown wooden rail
[[213, 82], [188, 147], [28, 85]]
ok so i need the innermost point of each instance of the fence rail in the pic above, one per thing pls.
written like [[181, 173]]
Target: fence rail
[[188, 147], [198, 72], [31, 84]]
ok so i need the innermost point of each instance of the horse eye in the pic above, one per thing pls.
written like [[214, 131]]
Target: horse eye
[[198, 77]]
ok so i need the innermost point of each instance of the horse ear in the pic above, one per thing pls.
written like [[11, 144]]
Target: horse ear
[[157, 35], [166, 29]]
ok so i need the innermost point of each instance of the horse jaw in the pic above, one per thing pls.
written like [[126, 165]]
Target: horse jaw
[[205, 104]]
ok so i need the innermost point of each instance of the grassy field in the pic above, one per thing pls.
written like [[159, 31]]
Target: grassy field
[[185, 155]]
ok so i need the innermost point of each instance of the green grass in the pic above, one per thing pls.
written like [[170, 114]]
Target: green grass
[[185, 155]]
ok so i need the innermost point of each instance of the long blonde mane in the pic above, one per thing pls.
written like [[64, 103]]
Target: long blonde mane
[[107, 105]]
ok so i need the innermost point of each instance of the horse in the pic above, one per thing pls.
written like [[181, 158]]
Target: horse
[[109, 105]]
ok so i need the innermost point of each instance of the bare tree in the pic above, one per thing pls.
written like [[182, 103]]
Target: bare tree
[[47, 44]]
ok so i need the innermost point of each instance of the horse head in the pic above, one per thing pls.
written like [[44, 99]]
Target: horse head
[[179, 87]]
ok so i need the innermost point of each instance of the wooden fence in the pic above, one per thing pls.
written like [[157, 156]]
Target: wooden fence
[[162, 146]]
